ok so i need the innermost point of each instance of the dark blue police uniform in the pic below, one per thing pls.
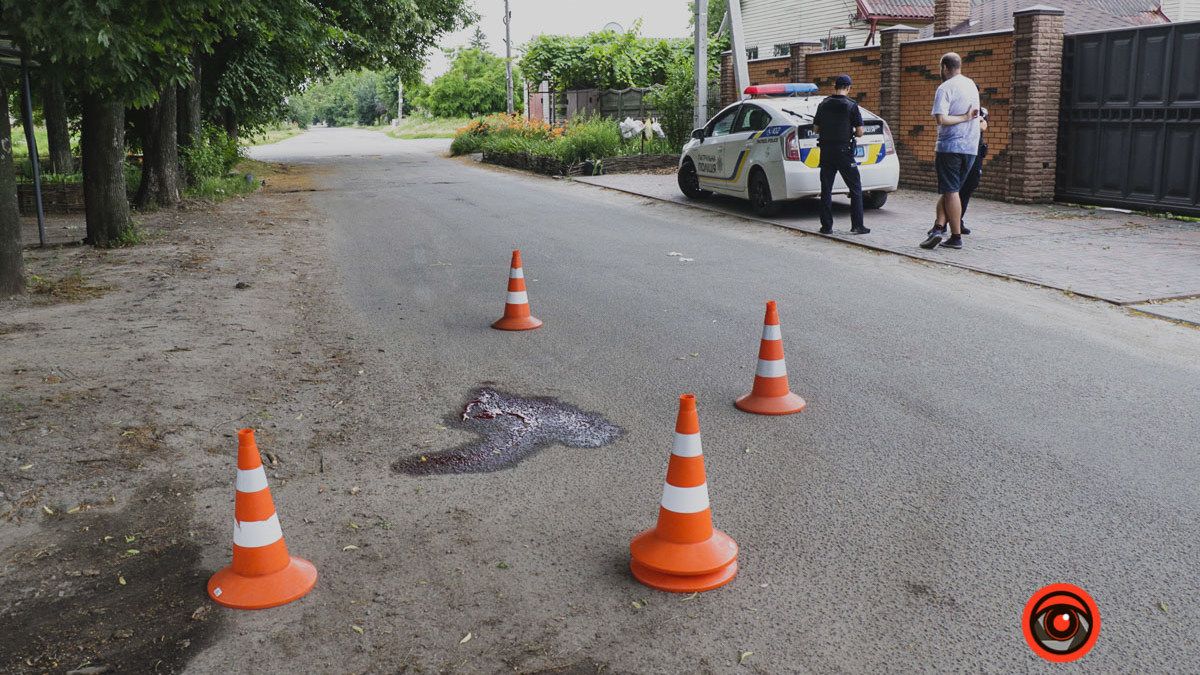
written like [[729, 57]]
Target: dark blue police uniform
[[837, 117]]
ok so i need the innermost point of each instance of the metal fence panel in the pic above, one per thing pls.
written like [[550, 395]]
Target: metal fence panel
[[1130, 118]]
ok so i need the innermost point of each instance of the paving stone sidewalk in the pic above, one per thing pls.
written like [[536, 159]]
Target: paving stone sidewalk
[[1151, 264]]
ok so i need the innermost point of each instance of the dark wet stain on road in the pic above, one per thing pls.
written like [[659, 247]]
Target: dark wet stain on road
[[512, 428]]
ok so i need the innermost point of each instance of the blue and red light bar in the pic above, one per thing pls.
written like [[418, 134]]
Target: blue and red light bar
[[789, 89]]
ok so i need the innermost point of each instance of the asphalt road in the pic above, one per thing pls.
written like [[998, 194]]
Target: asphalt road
[[968, 440]]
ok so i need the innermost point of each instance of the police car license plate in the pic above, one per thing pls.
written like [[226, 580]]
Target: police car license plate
[[860, 151]]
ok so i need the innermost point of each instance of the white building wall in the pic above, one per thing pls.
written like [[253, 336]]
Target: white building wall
[[1180, 10], [767, 23]]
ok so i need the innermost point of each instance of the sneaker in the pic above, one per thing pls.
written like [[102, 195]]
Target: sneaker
[[936, 229], [826, 229], [953, 242], [860, 230], [934, 239], [965, 230]]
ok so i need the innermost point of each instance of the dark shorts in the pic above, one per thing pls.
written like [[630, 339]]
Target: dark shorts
[[952, 170]]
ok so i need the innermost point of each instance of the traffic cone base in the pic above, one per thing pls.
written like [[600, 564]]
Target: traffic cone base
[[689, 584], [686, 560], [772, 405], [234, 590], [517, 323]]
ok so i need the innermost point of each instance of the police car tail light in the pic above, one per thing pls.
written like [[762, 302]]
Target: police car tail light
[[889, 145], [791, 147]]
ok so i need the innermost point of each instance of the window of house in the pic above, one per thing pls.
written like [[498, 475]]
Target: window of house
[[752, 53], [833, 42], [782, 50]]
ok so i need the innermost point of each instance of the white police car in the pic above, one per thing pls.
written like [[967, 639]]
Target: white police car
[[764, 149]]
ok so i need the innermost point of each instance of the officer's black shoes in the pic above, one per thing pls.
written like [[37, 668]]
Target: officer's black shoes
[[860, 230], [954, 241], [934, 239], [826, 229], [936, 229], [965, 229]]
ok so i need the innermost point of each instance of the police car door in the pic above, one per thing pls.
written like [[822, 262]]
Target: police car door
[[749, 121], [712, 166]]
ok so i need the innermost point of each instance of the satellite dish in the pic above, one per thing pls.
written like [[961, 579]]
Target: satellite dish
[[613, 26]]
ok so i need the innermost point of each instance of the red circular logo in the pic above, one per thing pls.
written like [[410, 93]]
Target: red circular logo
[[1061, 622]]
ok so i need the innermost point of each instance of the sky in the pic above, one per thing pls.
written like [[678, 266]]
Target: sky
[[660, 18]]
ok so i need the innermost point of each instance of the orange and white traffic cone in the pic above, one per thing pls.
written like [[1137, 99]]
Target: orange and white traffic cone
[[771, 394], [684, 553], [516, 306], [262, 574]]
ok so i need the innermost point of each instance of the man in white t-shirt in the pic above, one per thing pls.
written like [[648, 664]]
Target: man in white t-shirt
[[956, 109]]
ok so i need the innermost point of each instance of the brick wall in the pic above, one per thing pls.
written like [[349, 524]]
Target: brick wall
[[987, 59], [770, 71], [862, 65]]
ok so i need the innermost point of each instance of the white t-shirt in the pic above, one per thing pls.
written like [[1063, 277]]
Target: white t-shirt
[[956, 96]]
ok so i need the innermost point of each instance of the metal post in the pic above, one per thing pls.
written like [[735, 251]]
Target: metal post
[[508, 83], [700, 116], [737, 43], [31, 141]]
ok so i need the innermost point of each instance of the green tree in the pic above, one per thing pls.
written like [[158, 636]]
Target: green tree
[[12, 266], [605, 59], [474, 85], [117, 53]]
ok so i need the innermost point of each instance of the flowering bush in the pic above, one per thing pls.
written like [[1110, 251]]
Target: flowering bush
[[580, 139]]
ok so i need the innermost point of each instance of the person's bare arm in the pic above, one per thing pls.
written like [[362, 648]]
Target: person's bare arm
[[983, 124], [858, 132], [951, 120]]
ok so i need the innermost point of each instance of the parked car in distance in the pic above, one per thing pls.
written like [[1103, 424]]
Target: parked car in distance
[[764, 149]]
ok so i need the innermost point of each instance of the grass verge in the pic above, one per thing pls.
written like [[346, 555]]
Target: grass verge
[[427, 127]]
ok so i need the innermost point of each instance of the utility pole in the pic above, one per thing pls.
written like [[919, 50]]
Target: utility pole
[[700, 117], [508, 83], [737, 43], [399, 97]]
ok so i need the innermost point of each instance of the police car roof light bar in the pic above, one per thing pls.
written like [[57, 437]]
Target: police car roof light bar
[[789, 89]]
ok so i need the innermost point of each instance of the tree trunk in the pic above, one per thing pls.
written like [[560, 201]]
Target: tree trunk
[[12, 267], [54, 109], [160, 154], [189, 119], [106, 205]]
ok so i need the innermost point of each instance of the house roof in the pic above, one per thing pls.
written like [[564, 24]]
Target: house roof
[[996, 15]]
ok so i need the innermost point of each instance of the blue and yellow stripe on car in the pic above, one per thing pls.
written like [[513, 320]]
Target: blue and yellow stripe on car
[[737, 167], [873, 153]]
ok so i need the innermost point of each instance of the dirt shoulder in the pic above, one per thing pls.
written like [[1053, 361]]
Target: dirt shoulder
[[126, 375]]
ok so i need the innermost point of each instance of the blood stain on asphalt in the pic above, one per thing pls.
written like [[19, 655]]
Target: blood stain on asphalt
[[512, 428]]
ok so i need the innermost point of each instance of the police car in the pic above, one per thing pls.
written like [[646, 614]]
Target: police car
[[764, 149]]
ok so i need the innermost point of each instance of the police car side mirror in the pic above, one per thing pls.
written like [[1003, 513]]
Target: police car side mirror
[[698, 133]]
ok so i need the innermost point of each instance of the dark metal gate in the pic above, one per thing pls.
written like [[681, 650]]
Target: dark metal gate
[[1129, 130]]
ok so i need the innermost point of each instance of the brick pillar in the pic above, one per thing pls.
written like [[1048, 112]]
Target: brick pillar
[[1036, 86], [949, 13], [890, 40], [728, 95], [799, 54]]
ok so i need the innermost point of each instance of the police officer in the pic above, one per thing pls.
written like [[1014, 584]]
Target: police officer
[[838, 122]]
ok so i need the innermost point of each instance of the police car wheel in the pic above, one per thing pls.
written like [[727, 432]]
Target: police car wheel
[[760, 195], [874, 200], [689, 181]]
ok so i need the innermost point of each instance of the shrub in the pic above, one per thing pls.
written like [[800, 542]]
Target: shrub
[[675, 99], [581, 139], [211, 155]]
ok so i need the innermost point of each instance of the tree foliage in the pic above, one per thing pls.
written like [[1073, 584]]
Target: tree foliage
[[474, 85], [358, 97], [604, 59]]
